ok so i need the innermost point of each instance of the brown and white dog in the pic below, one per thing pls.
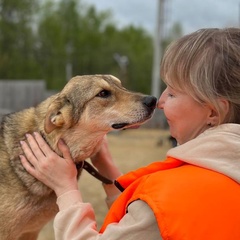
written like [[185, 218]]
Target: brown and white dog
[[85, 110]]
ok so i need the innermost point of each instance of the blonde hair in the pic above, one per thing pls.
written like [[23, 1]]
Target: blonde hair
[[206, 65]]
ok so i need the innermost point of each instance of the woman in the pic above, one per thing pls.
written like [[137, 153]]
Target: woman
[[195, 192]]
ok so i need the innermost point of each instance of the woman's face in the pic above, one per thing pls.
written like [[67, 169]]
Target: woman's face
[[186, 117]]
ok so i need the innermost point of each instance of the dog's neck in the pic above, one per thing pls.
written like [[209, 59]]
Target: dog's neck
[[82, 144]]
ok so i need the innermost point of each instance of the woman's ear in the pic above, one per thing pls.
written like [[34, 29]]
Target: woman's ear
[[215, 117]]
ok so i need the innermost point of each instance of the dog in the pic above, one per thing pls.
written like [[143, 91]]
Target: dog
[[81, 114]]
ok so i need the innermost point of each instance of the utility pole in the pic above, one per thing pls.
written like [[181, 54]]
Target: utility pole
[[157, 53]]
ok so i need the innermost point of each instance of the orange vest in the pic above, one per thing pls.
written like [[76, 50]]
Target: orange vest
[[189, 202]]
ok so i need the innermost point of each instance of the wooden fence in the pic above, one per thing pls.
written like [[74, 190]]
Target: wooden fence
[[16, 95]]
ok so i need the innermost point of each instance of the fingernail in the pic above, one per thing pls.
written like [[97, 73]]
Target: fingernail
[[61, 141], [21, 142], [27, 135]]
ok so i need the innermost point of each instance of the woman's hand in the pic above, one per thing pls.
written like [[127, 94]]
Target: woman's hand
[[104, 163], [58, 173]]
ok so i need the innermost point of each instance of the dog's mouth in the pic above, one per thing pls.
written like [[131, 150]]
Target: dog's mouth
[[119, 126], [133, 125]]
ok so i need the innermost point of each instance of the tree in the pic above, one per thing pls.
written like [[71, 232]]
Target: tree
[[56, 39], [136, 44], [77, 34], [17, 39]]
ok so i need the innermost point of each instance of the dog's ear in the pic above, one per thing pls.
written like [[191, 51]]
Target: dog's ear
[[58, 115]]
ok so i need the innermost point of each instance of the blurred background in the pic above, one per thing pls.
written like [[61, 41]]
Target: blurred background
[[43, 43], [49, 41]]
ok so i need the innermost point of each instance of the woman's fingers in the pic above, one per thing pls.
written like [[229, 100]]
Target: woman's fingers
[[64, 149], [34, 151], [41, 144], [45, 165], [37, 149], [28, 151], [29, 168], [34, 146]]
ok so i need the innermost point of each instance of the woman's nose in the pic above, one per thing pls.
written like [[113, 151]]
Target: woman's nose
[[161, 101]]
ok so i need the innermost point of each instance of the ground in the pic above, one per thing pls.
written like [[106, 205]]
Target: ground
[[130, 149]]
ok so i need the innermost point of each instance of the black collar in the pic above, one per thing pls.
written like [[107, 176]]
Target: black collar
[[90, 169]]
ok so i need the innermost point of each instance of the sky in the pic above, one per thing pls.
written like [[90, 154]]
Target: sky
[[191, 14]]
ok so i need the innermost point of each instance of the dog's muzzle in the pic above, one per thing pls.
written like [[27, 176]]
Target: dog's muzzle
[[149, 102]]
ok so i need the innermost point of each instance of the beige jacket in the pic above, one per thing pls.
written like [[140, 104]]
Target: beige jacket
[[217, 149]]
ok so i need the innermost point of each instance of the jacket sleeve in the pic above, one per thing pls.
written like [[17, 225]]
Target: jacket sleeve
[[76, 221]]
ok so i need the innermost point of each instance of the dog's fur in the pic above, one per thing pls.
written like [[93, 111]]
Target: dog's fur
[[82, 113]]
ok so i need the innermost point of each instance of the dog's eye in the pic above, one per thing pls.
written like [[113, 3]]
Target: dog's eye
[[104, 94]]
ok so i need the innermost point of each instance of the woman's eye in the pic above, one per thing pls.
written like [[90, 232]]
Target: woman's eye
[[104, 94]]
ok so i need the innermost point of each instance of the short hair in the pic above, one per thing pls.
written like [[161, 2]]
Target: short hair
[[206, 65]]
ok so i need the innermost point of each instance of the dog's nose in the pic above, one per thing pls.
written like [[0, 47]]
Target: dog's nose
[[150, 102]]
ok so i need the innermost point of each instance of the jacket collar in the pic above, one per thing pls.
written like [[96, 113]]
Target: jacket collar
[[217, 149]]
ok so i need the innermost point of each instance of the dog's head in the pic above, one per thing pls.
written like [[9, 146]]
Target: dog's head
[[89, 107], [99, 103]]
